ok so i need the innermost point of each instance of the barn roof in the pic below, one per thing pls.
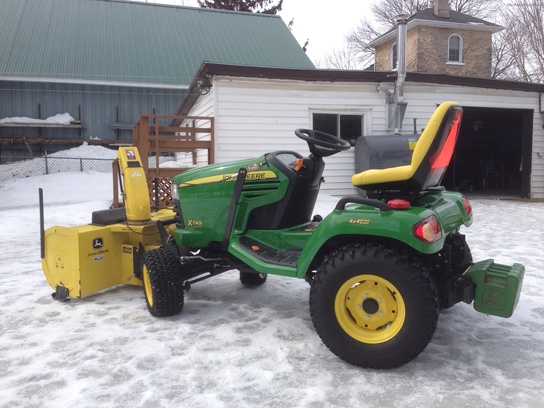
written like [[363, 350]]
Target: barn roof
[[115, 41]]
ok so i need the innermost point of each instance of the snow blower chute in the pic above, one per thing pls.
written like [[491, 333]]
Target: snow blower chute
[[81, 260]]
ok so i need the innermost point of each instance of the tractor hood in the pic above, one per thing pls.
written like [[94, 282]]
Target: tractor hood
[[223, 173], [205, 195]]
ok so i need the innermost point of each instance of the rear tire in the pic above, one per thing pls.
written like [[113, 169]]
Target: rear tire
[[163, 282], [374, 307], [252, 278]]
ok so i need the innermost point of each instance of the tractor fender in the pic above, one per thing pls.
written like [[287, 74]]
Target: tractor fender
[[369, 221]]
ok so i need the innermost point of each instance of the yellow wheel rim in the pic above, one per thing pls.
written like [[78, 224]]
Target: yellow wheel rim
[[147, 286], [369, 309]]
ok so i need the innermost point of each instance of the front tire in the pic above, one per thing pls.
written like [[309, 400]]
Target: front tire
[[374, 307], [163, 282]]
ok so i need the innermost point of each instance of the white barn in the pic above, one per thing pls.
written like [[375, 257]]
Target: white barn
[[256, 110]]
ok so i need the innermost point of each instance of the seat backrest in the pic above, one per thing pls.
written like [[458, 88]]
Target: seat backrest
[[430, 158]]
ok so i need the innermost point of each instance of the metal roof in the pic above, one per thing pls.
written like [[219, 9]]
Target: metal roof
[[455, 17], [110, 41]]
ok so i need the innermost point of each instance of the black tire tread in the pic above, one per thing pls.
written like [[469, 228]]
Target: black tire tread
[[166, 282], [353, 351]]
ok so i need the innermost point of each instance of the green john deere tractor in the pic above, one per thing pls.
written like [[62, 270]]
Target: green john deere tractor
[[380, 267]]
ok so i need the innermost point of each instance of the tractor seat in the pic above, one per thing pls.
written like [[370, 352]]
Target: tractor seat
[[430, 158]]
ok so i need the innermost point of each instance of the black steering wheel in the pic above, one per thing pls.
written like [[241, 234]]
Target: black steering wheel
[[322, 144]]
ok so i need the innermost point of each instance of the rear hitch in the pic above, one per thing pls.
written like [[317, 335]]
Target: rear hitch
[[460, 288]]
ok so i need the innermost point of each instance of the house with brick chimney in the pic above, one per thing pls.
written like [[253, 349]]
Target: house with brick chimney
[[440, 41], [258, 96], [500, 148]]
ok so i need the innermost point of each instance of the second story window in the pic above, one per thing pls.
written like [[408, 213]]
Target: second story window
[[455, 48]]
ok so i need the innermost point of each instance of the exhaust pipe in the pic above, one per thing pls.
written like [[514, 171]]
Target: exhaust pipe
[[400, 104], [401, 21]]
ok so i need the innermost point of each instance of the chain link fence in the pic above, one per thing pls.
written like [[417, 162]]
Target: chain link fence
[[22, 167]]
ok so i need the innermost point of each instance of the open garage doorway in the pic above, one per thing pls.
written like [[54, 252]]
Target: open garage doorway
[[493, 153]]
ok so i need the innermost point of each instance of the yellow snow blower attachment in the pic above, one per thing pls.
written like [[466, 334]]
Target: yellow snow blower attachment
[[81, 260]]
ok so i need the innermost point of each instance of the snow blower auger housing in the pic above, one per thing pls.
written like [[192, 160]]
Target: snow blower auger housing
[[82, 260], [381, 267]]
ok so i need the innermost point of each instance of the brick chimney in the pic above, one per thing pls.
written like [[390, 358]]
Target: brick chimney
[[441, 8]]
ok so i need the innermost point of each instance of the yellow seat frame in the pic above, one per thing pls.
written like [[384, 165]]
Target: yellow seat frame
[[430, 158]]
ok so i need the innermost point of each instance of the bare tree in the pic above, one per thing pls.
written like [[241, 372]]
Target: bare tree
[[384, 13], [344, 58], [501, 57], [173, 2], [520, 53], [358, 41], [257, 6], [485, 9]]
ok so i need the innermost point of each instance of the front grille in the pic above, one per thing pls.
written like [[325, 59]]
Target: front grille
[[178, 217], [257, 189]]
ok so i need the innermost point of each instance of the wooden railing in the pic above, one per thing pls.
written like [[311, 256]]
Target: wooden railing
[[153, 140]]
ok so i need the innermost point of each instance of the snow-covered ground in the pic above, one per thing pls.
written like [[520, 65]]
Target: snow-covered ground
[[238, 347]]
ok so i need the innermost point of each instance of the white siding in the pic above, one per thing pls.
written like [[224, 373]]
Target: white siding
[[258, 116], [255, 116]]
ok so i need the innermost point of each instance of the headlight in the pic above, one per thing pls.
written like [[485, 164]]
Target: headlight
[[174, 191]]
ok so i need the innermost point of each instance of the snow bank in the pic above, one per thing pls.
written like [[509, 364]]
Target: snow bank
[[81, 158], [86, 157], [59, 118], [87, 151]]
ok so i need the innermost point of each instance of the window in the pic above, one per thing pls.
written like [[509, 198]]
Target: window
[[347, 127], [393, 57], [455, 48]]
